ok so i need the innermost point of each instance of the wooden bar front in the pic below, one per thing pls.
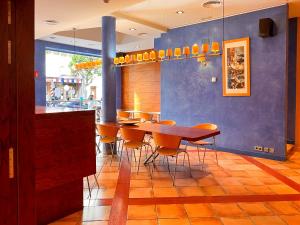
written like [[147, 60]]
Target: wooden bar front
[[64, 155]]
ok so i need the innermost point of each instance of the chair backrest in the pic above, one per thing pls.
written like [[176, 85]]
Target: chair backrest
[[123, 115], [107, 131], [129, 134], [167, 122], [207, 126], [146, 116], [166, 140]]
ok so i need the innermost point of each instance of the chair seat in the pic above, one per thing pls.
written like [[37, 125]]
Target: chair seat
[[108, 140], [169, 151], [133, 144], [201, 143]]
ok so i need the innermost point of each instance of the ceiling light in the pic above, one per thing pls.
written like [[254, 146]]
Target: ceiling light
[[179, 12], [132, 29], [212, 4], [142, 34], [52, 37], [51, 22]]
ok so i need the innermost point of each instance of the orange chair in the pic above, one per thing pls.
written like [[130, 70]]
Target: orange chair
[[207, 126], [134, 140], [167, 122], [169, 145], [122, 115], [108, 135]]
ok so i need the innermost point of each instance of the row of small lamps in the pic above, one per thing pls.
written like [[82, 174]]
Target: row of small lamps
[[162, 54]]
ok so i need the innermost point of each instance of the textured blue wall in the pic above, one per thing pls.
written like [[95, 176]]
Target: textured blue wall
[[188, 96], [40, 66], [292, 79]]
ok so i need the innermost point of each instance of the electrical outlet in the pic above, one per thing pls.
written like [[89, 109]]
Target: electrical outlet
[[258, 148], [271, 150], [266, 149]]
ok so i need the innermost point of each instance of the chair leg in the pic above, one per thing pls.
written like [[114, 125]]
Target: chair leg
[[96, 181], [88, 182], [189, 163], [203, 158], [139, 161], [112, 153], [120, 157], [168, 165], [127, 154], [199, 154], [183, 160], [175, 170], [133, 150]]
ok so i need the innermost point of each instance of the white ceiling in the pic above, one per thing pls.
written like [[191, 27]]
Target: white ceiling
[[152, 17]]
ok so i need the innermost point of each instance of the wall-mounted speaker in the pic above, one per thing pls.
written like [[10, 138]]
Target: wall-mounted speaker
[[266, 27]]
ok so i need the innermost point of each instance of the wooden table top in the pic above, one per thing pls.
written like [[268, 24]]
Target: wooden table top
[[186, 133]]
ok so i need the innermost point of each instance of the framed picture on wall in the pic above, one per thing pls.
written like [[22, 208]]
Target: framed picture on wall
[[236, 67]]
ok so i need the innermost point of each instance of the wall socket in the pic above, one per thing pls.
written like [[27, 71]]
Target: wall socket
[[264, 149]]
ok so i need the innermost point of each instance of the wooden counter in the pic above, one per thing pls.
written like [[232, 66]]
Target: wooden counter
[[64, 155]]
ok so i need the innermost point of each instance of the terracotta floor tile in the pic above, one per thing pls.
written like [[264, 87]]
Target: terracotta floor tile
[[199, 210], [283, 208], [190, 191], [282, 189], [187, 182], [250, 181], [255, 209], [140, 183], [96, 213], [163, 182], [267, 220], [173, 222], [140, 176], [291, 220], [140, 193], [205, 221], [227, 210], [143, 212], [94, 223], [236, 190], [213, 190], [141, 222], [236, 221], [170, 211], [207, 181], [165, 192], [228, 181], [259, 190], [104, 193]]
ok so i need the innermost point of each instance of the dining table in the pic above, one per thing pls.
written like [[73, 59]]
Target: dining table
[[186, 133]]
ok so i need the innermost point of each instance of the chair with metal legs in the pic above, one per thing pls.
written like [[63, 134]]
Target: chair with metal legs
[[89, 187], [169, 146], [133, 140], [108, 135], [205, 144]]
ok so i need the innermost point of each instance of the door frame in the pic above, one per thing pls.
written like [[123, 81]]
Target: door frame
[[17, 112]]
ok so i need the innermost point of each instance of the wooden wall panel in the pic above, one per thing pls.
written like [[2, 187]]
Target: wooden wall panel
[[141, 87], [297, 134]]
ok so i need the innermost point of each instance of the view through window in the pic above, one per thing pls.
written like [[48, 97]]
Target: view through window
[[73, 80]]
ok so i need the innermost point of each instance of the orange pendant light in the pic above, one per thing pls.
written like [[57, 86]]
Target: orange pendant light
[[177, 52], [215, 47], [195, 49], [152, 55], [161, 54]]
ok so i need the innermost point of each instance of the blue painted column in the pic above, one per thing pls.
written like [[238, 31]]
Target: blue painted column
[[108, 71]]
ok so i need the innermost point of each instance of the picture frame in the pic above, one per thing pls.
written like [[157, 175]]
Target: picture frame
[[236, 67]]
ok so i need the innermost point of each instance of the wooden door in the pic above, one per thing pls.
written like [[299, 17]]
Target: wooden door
[[17, 202]]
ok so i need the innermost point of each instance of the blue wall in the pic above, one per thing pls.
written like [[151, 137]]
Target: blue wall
[[40, 58], [188, 96]]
